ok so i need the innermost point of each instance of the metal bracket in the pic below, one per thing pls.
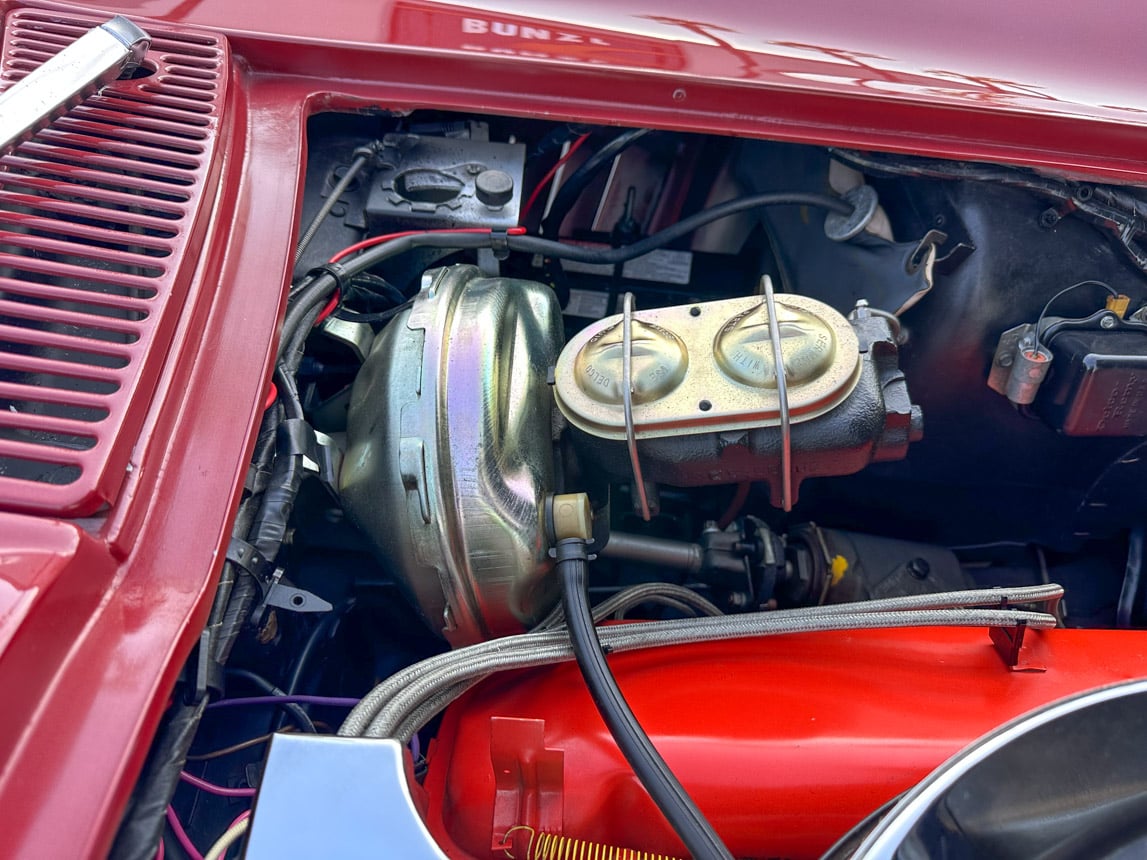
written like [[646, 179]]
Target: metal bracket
[[1018, 649], [321, 455], [1015, 648], [627, 402], [324, 460], [208, 675], [248, 557], [782, 396], [928, 244], [359, 337], [528, 781], [277, 594], [281, 595], [488, 262]]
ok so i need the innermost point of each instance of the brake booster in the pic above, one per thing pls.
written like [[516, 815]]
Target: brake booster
[[454, 418]]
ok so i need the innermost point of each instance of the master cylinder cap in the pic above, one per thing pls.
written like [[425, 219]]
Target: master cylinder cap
[[744, 352], [659, 364]]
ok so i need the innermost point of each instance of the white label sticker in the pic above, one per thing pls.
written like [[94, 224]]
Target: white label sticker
[[666, 267], [587, 303]]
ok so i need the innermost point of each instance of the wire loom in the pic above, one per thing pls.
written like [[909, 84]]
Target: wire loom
[[552, 846]]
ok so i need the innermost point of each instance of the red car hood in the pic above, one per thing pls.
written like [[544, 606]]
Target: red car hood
[[973, 53]]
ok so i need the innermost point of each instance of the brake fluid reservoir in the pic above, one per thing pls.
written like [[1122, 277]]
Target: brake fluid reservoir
[[708, 367], [706, 405]]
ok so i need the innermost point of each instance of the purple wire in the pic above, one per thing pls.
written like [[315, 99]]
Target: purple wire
[[181, 835], [330, 701], [212, 788]]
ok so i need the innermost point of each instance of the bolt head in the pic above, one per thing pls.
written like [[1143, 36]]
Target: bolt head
[[919, 568]]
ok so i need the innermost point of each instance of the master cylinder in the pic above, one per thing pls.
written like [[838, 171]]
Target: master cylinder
[[706, 400]]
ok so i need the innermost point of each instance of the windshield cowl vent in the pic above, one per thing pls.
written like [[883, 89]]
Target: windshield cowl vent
[[102, 216]]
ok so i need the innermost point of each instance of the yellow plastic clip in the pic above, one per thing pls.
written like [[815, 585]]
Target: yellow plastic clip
[[1118, 304], [839, 569]]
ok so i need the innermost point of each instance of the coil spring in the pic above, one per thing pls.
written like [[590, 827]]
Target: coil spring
[[551, 846]]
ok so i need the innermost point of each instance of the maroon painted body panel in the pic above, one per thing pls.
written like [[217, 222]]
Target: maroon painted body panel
[[1055, 86], [97, 616], [145, 262]]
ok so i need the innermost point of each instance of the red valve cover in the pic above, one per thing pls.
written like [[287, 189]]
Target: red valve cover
[[785, 743]]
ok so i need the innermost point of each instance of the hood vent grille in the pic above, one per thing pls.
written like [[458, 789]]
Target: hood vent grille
[[102, 216]]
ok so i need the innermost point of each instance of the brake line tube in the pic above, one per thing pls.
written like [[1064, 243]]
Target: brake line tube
[[391, 702]]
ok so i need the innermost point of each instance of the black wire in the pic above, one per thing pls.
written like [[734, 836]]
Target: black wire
[[534, 245], [1111, 291], [580, 179], [370, 288], [307, 302], [142, 825], [666, 791], [322, 631], [314, 640], [308, 299], [556, 139], [143, 820], [319, 632], [381, 316], [288, 392], [297, 713]]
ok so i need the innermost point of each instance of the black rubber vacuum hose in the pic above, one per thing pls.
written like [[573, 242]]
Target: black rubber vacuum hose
[[670, 796]]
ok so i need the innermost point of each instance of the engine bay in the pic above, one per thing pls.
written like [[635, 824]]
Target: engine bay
[[732, 389]]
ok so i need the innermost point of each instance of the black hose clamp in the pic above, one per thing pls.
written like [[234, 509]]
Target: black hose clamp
[[246, 556], [334, 271], [500, 244]]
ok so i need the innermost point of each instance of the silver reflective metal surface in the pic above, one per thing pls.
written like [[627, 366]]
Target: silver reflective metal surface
[[1052, 730], [627, 404], [322, 796], [96, 58], [781, 375], [450, 451]]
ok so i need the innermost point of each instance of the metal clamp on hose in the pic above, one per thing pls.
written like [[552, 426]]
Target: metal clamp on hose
[[96, 58]]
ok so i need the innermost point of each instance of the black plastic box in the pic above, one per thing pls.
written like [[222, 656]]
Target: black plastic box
[[1097, 385], [441, 182]]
